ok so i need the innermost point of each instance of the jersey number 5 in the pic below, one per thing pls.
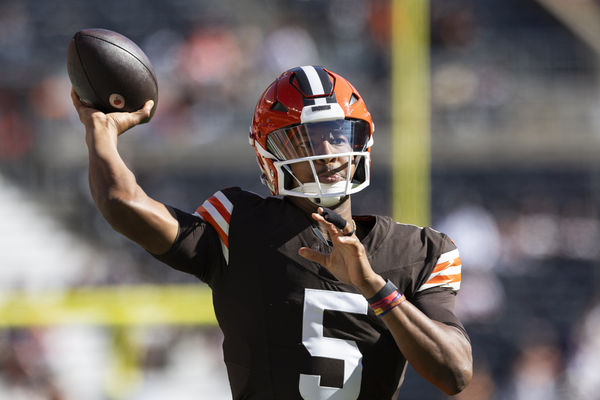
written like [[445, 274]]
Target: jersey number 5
[[315, 303]]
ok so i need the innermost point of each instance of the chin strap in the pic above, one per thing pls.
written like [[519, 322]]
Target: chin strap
[[327, 201], [324, 188]]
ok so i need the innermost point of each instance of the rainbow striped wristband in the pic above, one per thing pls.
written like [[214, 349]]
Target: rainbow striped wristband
[[386, 299]]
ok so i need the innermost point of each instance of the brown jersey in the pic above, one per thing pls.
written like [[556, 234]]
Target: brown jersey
[[291, 330]]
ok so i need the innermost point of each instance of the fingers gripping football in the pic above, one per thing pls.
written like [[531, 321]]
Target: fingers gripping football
[[124, 121], [118, 121]]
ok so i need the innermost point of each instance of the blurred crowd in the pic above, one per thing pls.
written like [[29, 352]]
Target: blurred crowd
[[528, 298], [513, 94]]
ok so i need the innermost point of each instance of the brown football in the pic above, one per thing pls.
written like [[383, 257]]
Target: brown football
[[110, 72]]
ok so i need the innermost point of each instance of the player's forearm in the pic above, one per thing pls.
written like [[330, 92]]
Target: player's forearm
[[114, 188], [122, 202], [438, 352], [112, 184]]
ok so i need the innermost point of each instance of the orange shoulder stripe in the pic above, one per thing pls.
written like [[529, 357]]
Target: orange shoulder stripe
[[209, 218], [447, 264], [221, 208], [445, 279]]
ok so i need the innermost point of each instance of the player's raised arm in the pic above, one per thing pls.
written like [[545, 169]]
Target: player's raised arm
[[122, 202]]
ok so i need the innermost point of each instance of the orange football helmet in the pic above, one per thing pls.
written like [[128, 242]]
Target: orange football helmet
[[305, 117]]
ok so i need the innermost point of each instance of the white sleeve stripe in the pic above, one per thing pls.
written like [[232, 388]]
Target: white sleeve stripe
[[450, 271], [224, 201], [222, 224], [216, 216], [225, 252], [451, 285], [450, 255], [454, 270]]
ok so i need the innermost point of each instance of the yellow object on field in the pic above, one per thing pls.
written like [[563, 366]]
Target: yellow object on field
[[114, 305], [410, 113]]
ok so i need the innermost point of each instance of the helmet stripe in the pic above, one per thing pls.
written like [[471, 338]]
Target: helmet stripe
[[313, 82], [325, 80]]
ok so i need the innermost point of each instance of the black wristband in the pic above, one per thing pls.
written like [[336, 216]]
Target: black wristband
[[384, 292], [386, 299]]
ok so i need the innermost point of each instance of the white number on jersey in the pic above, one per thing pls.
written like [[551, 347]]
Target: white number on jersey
[[315, 303]]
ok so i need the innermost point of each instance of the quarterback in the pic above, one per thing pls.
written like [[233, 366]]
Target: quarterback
[[313, 301]]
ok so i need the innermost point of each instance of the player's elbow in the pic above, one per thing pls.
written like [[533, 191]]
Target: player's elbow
[[459, 366], [458, 379]]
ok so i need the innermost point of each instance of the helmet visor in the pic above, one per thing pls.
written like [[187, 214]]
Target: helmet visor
[[319, 138]]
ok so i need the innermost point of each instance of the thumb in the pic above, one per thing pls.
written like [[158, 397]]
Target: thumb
[[145, 113], [127, 120]]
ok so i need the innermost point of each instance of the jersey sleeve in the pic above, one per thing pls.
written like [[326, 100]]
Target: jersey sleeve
[[196, 249], [438, 304], [436, 296]]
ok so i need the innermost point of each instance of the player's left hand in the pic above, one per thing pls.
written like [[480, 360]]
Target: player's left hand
[[348, 260]]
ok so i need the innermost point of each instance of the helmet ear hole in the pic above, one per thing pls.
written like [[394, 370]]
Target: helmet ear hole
[[279, 106]]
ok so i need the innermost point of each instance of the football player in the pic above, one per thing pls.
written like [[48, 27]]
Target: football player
[[313, 302]]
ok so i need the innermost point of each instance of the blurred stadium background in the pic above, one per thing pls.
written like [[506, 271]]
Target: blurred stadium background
[[515, 180]]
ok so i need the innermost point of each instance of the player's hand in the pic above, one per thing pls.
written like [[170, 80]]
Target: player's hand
[[348, 260], [116, 122]]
